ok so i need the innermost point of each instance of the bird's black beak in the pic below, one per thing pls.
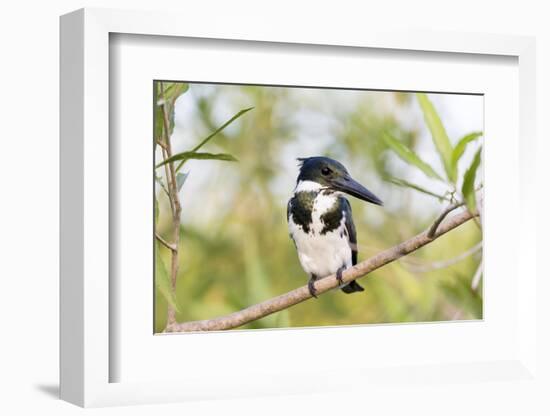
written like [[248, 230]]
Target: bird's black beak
[[350, 186]]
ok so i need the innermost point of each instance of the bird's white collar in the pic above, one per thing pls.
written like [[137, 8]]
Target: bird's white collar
[[307, 186]]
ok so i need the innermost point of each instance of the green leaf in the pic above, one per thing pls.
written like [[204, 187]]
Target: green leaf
[[173, 90], [459, 149], [439, 135], [171, 94], [158, 118], [183, 156], [162, 280], [180, 179], [158, 179], [221, 128], [406, 184], [156, 212], [468, 191], [166, 97], [407, 155]]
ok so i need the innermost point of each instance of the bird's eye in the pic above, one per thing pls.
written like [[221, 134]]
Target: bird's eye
[[326, 171]]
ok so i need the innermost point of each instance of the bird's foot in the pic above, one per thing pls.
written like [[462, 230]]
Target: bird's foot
[[339, 275], [311, 286]]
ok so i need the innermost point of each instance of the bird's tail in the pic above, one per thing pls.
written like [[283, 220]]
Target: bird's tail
[[351, 287]]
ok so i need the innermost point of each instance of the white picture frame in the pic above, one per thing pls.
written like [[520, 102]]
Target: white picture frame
[[86, 356]]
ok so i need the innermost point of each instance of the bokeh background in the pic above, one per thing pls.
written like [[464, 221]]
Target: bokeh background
[[235, 250]]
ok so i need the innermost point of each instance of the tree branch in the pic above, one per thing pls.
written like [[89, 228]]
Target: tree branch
[[165, 243], [448, 210], [301, 294]]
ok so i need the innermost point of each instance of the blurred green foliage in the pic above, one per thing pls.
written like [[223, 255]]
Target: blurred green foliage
[[234, 247]]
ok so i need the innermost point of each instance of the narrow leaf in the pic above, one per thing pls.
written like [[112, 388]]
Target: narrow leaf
[[156, 212], [162, 280], [158, 179], [166, 94], [180, 179], [158, 118], [200, 156], [406, 184], [207, 139], [459, 149], [173, 90], [407, 155], [223, 126], [468, 185], [171, 95], [439, 135]]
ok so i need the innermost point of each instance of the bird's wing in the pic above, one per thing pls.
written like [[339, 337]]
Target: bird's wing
[[288, 208], [350, 228]]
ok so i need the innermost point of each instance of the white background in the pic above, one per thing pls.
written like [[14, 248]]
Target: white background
[[29, 209]]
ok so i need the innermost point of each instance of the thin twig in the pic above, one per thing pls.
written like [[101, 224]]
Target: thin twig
[[161, 144], [165, 155], [165, 243], [301, 294], [477, 276], [436, 265], [450, 208]]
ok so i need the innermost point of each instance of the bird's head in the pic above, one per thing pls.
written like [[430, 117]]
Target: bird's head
[[322, 172]]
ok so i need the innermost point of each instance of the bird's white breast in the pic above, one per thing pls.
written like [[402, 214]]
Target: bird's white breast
[[321, 254]]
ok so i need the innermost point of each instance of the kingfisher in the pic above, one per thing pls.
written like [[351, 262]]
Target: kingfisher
[[320, 220]]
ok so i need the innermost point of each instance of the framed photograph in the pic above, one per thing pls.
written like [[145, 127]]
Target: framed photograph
[[286, 178], [247, 215]]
